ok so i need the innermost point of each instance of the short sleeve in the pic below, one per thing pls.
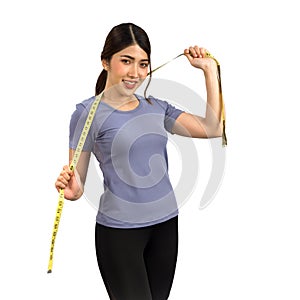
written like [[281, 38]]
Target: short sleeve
[[77, 122], [172, 113]]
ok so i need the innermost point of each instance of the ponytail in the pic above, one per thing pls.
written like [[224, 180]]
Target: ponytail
[[101, 81]]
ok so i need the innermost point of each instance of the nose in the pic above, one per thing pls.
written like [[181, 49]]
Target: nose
[[133, 71]]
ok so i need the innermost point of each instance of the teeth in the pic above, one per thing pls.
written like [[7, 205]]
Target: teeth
[[130, 82]]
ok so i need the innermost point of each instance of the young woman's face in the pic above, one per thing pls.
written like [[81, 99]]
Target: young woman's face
[[127, 70]]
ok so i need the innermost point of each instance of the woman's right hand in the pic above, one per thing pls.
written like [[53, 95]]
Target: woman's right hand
[[63, 179], [69, 183]]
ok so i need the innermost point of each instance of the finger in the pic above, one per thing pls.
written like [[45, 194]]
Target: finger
[[188, 55], [203, 52], [60, 185], [193, 52], [186, 51], [66, 168], [197, 51], [62, 182], [65, 176]]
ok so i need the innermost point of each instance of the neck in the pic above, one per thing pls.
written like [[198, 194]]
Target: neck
[[114, 96]]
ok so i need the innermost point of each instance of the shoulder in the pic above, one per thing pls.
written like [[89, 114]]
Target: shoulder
[[81, 110], [85, 104], [83, 107]]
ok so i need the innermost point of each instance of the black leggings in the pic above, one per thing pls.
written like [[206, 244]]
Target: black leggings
[[138, 263]]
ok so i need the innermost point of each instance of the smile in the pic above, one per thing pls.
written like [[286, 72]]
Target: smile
[[130, 84]]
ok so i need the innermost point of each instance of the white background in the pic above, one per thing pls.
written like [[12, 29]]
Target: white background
[[245, 244]]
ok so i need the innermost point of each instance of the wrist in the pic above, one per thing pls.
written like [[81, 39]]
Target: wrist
[[210, 66]]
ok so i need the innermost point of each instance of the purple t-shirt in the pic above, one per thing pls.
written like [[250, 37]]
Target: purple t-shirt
[[130, 147]]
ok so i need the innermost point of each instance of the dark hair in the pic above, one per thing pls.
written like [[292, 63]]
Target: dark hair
[[120, 37]]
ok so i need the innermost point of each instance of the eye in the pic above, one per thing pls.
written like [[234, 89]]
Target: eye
[[144, 65], [125, 61]]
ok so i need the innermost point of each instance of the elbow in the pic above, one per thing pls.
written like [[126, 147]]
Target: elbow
[[217, 132], [213, 130]]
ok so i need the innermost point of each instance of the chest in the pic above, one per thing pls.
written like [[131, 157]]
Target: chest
[[122, 135]]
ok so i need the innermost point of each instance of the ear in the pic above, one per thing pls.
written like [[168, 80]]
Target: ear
[[105, 64]]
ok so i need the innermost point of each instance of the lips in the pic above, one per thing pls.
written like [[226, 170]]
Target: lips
[[130, 84]]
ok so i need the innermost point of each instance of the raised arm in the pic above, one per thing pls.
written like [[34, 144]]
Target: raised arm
[[209, 126]]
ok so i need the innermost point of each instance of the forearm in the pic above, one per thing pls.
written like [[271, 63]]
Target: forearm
[[212, 119]]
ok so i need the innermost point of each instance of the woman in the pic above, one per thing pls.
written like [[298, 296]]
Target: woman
[[136, 231]]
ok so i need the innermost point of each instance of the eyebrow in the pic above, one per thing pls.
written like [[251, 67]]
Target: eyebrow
[[130, 57]]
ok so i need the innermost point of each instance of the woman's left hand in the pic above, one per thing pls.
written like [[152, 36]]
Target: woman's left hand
[[197, 57]]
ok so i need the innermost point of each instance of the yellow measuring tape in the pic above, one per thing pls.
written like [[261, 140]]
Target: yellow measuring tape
[[73, 164], [81, 142]]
